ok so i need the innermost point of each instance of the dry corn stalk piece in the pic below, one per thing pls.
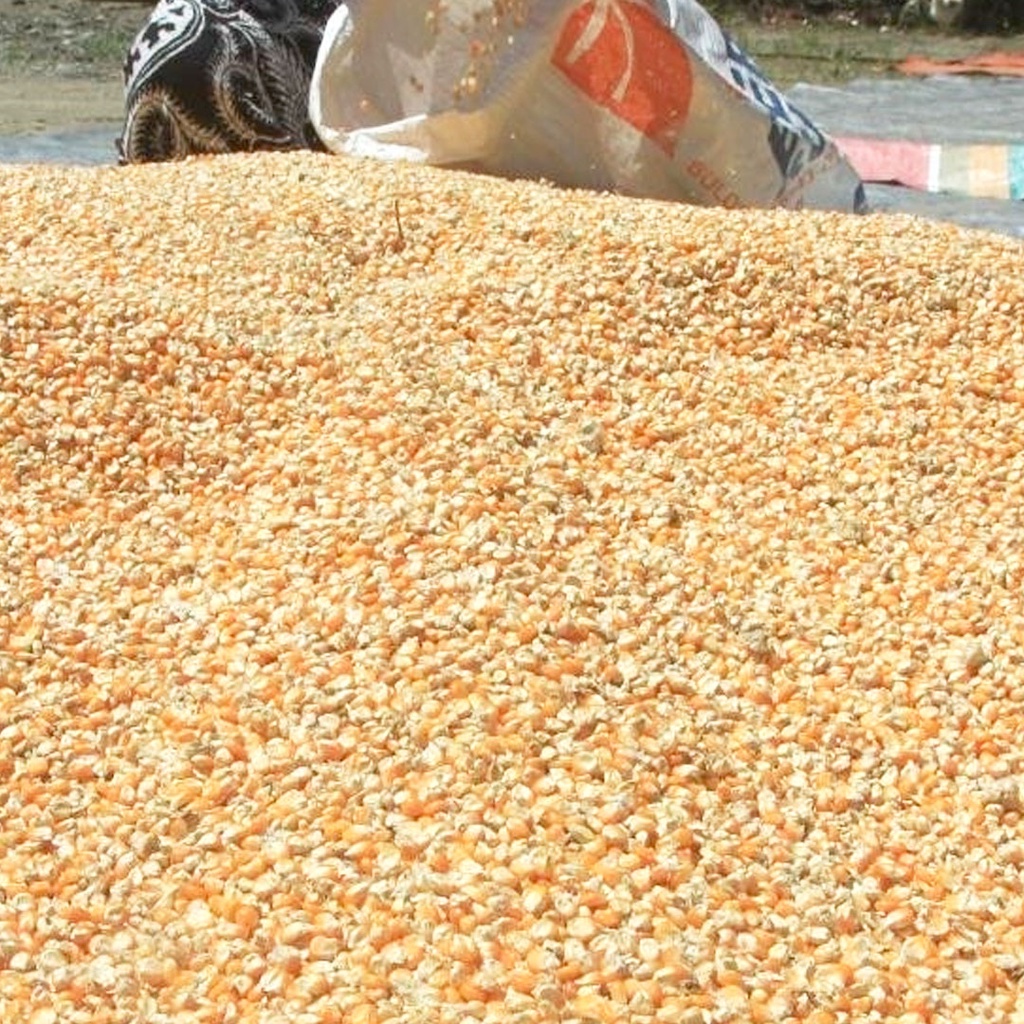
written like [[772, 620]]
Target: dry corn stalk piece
[[427, 597]]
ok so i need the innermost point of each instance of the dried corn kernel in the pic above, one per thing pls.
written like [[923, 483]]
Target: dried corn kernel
[[432, 597]]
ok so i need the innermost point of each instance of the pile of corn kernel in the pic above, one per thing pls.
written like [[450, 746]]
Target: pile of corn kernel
[[433, 598]]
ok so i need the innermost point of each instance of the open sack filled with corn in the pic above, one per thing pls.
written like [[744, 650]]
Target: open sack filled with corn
[[427, 597]]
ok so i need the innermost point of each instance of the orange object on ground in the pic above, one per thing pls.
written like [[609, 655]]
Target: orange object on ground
[[983, 64]]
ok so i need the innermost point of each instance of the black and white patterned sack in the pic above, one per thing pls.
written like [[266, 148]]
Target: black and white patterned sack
[[216, 76]]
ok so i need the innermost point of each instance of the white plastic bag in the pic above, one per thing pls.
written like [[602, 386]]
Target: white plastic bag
[[644, 97]]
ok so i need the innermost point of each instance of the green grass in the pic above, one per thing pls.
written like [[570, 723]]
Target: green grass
[[95, 41], [790, 49], [829, 52], [102, 46]]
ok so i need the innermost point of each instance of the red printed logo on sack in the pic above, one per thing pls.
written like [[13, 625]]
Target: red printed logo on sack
[[621, 55]]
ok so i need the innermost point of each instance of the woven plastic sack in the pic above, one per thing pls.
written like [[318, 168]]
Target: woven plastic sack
[[643, 97]]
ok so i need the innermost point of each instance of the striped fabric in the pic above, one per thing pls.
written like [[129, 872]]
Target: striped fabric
[[990, 172]]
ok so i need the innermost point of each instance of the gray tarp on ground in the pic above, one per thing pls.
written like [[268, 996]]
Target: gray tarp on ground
[[950, 110], [89, 146]]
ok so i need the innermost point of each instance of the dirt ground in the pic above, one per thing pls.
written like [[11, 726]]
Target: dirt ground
[[60, 60]]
